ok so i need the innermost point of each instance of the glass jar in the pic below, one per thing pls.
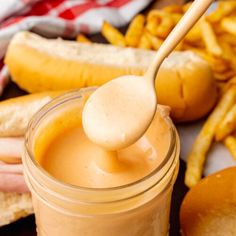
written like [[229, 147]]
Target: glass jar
[[137, 209]]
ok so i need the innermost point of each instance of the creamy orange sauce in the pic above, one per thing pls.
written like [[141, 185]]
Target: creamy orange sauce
[[118, 113], [72, 158]]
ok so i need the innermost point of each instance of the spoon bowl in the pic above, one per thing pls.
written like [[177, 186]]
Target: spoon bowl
[[119, 122]]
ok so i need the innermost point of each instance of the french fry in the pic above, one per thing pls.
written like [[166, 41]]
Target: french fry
[[194, 44], [224, 9], [229, 54], [153, 20], [230, 83], [173, 9], [176, 17], [229, 25], [155, 41], [201, 146], [230, 143], [221, 87], [218, 65], [186, 6], [210, 39], [145, 42], [179, 47], [164, 28], [228, 38], [194, 35], [154, 14], [224, 76], [82, 39], [227, 125], [218, 28], [151, 26], [113, 35], [159, 23], [135, 30]]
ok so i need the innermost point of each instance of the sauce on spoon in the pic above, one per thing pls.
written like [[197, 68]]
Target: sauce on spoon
[[119, 112]]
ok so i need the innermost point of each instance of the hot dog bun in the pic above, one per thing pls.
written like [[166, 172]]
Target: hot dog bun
[[209, 208], [185, 81], [16, 112]]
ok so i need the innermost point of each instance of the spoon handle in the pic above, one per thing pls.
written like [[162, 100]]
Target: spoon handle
[[196, 10]]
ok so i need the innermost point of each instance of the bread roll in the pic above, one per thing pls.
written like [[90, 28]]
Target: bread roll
[[16, 112], [185, 81], [209, 208], [14, 206]]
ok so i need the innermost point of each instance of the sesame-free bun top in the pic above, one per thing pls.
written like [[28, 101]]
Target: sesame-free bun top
[[185, 82], [209, 208]]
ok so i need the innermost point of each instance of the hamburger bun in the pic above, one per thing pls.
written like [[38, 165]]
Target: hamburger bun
[[209, 208], [185, 81]]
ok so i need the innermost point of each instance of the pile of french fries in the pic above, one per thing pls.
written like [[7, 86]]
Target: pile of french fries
[[220, 126], [214, 39]]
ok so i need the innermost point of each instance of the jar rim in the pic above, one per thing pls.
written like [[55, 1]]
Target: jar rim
[[76, 94]]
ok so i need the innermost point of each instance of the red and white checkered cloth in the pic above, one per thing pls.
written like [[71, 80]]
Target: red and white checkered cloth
[[64, 18]]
